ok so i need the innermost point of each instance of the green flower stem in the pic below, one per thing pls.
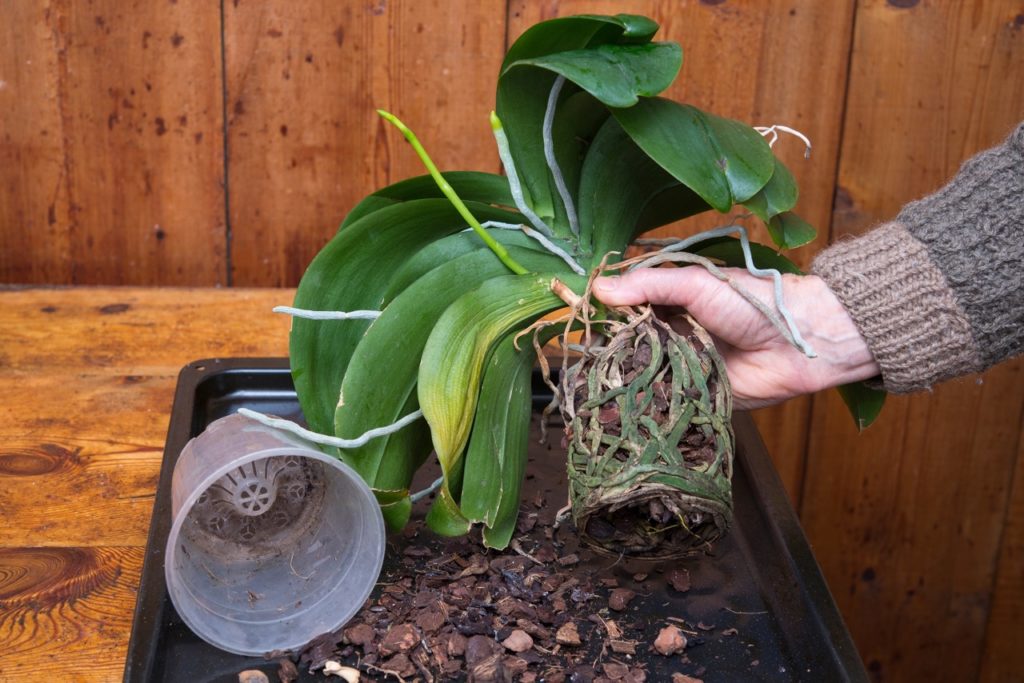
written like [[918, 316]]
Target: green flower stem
[[449, 192]]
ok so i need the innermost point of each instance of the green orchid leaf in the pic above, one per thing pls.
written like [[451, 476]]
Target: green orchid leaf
[[789, 231], [623, 28], [669, 205], [619, 180], [380, 384], [772, 205], [579, 31], [778, 195], [499, 430], [472, 186], [397, 514], [522, 117], [578, 118], [445, 518], [617, 75], [452, 364], [724, 161], [352, 272], [864, 402], [514, 387], [522, 97], [451, 247], [449, 375]]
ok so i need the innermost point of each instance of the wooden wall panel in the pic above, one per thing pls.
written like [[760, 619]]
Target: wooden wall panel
[[1002, 660], [111, 166], [906, 519], [34, 247], [304, 141], [762, 63]]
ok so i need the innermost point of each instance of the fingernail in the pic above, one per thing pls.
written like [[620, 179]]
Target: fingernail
[[606, 284]]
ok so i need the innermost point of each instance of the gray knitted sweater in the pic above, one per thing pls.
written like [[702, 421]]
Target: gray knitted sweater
[[939, 292]]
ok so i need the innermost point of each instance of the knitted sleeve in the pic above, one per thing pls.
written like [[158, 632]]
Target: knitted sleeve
[[939, 292]]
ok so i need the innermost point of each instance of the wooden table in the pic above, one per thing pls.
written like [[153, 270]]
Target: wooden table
[[87, 377]]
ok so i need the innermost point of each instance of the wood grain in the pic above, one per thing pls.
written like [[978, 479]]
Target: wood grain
[[34, 247], [906, 519], [295, 171], [762, 63], [65, 613], [117, 160], [89, 492], [102, 389], [1001, 661], [85, 410], [109, 330], [87, 378]]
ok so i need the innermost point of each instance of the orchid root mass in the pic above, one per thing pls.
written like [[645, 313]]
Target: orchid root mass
[[650, 442]]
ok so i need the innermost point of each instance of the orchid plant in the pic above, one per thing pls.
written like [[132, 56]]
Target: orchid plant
[[409, 325]]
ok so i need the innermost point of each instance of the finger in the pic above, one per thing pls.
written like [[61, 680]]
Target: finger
[[660, 286]]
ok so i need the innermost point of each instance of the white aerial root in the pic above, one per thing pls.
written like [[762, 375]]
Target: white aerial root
[[542, 240], [549, 156], [505, 154], [427, 491], [773, 131], [315, 437], [326, 315], [662, 255]]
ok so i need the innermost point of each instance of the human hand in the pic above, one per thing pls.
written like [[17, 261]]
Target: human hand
[[763, 367]]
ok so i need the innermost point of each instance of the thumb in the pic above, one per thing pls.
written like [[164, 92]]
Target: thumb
[[660, 286]]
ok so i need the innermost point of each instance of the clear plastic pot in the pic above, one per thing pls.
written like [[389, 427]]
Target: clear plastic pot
[[272, 542]]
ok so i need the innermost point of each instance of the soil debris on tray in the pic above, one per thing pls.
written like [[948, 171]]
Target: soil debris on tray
[[670, 640], [679, 579], [620, 598], [547, 609], [683, 678], [287, 671], [346, 673]]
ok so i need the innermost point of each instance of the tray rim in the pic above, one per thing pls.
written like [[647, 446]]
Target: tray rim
[[771, 497]]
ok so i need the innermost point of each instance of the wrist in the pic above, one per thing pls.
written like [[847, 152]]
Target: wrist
[[843, 353]]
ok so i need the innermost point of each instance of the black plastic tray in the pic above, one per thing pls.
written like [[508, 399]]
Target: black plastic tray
[[762, 580]]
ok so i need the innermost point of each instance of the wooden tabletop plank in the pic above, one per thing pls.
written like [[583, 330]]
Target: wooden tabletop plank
[[67, 491], [87, 379], [66, 613], [135, 331]]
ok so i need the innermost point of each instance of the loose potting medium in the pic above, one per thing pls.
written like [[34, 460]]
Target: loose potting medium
[[273, 542]]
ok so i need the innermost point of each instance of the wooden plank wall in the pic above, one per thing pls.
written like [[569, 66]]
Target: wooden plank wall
[[198, 143]]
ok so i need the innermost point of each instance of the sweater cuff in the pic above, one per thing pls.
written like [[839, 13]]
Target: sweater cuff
[[903, 307]]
